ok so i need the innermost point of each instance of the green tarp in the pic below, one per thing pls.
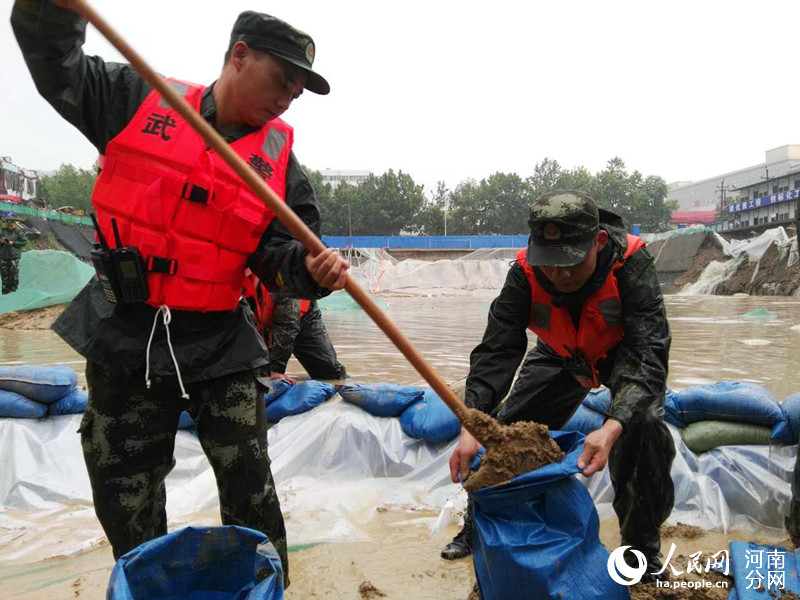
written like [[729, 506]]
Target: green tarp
[[46, 277]]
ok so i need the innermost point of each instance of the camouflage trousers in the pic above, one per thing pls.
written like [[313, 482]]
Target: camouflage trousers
[[639, 462], [9, 273], [128, 439]]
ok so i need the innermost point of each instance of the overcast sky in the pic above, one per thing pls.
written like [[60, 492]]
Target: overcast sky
[[454, 90]]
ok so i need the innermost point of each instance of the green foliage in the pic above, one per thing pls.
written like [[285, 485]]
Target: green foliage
[[69, 186]]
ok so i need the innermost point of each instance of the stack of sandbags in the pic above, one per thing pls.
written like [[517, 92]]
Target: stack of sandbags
[[35, 391]]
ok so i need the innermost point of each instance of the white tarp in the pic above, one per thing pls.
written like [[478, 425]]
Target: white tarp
[[334, 466]]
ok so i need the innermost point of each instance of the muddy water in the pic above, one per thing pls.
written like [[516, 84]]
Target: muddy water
[[712, 340]]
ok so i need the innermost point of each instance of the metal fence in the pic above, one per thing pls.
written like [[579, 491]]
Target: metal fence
[[465, 242], [41, 213]]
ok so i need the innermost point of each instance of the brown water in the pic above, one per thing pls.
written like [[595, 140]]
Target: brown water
[[712, 341]]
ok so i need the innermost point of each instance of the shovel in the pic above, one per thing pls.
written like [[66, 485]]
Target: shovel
[[510, 450]]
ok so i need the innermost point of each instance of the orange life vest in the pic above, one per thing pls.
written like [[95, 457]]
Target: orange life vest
[[264, 314], [600, 327], [193, 219]]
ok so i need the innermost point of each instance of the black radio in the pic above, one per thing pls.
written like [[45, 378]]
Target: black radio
[[121, 270]]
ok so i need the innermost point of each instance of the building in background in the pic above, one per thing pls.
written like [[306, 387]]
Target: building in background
[[18, 184], [703, 201], [337, 176]]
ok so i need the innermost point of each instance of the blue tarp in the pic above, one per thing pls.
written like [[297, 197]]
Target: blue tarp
[[200, 563]]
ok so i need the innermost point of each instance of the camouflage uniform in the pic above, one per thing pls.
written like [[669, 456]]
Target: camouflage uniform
[[635, 371], [128, 438], [9, 257], [305, 337]]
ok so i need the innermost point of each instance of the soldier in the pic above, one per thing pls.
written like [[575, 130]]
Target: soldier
[[192, 344], [591, 295], [11, 242]]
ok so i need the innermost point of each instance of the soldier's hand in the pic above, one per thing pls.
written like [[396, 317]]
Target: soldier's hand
[[465, 451], [328, 269], [283, 376], [597, 447]]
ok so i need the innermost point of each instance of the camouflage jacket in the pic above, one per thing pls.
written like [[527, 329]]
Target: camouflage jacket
[[100, 98], [11, 251], [635, 370]]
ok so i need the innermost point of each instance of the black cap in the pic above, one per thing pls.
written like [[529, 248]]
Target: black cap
[[269, 34], [564, 226]]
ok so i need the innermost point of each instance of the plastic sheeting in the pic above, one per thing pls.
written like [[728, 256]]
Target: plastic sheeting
[[46, 277], [756, 247], [334, 466]]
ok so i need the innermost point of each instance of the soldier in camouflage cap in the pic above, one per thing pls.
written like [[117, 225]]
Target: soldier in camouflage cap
[[590, 293]]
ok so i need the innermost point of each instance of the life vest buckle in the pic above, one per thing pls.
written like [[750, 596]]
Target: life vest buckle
[[195, 193]]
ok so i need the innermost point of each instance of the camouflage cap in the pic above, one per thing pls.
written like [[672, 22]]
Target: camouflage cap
[[564, 225]]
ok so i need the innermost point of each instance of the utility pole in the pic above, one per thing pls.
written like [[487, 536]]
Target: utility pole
[[445, 217], [722, 189]]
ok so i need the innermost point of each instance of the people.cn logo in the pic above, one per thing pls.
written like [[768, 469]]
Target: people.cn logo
[[617, 566]]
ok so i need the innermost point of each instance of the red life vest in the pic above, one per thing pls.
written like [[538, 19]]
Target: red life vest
[[264, 314], [600, 327], [193, 219]]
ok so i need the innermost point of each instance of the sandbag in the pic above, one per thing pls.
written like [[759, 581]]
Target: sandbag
[[538, 535], [750, 560], [17, 406], [585, 420], [430, 419], [788, 430], [734, 401], [707, 435], [200, 563], [37, 382], [598, 400], [72, 404], [275, 389], [381, 399], [299, 398], [185, 421]]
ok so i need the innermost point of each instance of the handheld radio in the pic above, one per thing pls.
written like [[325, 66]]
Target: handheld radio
[[120, 270]]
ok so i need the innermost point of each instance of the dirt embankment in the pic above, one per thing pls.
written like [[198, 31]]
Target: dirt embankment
[[770, 276], [37, 319]]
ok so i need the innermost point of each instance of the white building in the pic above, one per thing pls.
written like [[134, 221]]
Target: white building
[[705, 195], [335, 177]]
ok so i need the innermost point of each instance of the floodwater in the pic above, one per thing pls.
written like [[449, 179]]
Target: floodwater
[[712, 341]]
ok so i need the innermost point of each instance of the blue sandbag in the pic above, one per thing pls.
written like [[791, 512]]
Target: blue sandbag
[[430, 419], [73, 403], [585, 420], [381, 399], [598, 400], [538, 535], [788, 430], [38, 382], [783, 561], [200, 563], [276, 388], [17, 406], [735, 401], [299, 398], [185, 421], [671, 413]]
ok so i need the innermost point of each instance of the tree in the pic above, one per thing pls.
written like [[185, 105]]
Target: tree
[[431, 219], [69, 186], [391, 204]]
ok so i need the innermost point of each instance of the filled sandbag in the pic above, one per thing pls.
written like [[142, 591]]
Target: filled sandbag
[[381, 399], [73, 403], [430, 419], [537, 536], [185, 421], [17, 406], [585, 420], [40, 383], [275, 389], [788, 430], [299, 398], [707, 435], [598, 400], [200, 563], [739, 402]]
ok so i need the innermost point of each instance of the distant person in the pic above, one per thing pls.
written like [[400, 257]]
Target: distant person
[[294, 326], [591, 295], [12, 239]]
